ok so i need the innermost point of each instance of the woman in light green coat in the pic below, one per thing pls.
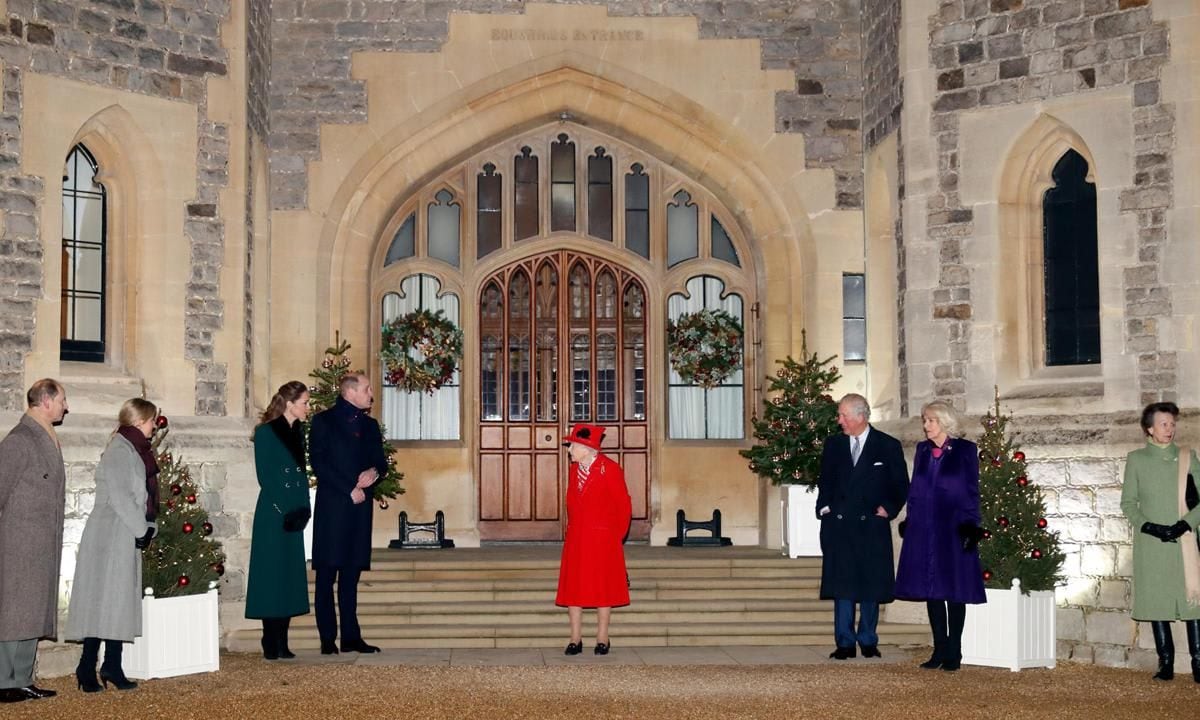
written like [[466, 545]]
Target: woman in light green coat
[[277, 585], [1166, 561]]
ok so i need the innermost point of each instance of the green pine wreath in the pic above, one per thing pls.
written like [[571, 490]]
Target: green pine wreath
[[421, 351], [705, 347]]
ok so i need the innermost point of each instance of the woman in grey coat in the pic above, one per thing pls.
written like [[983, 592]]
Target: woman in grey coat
[[106, 597]]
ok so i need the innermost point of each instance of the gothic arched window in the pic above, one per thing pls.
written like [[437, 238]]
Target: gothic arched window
[[1071, 265]]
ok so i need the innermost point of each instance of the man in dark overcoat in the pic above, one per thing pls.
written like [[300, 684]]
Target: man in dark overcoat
[[346, 451], [32, 491], [863, 486]]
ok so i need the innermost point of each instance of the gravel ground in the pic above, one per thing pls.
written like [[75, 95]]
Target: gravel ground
[[248, 687]]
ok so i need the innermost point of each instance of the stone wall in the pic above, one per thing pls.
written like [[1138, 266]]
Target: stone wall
[[312, 42], [258, 72], [164, 48], [883, 91], [992, 53]]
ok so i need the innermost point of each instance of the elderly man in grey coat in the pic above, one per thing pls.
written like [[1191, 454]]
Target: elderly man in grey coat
[[32, 489]]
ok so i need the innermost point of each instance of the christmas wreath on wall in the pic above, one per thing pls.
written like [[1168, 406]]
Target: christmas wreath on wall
[[705, 347], [420, 351]]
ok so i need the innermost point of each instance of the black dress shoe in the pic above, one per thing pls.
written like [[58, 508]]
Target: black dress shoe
[[601, 648], [951, 665], [36, 692], [328, 647], [843, 653], [932, 663], [871, 651], [14, 695], [573, 648], [358, 646]]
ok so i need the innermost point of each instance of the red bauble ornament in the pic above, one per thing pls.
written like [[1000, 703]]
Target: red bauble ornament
[[1022, 481], [1019, 456], [1036, 554], [987, 534], [218, 568], [997, 462], [1042, 522], [207, 528], [188, 528], [184, 581], [1002, 521], [191, 498], [161, 422], [176, 489], [170, 504], [383, 504], [987, 575]]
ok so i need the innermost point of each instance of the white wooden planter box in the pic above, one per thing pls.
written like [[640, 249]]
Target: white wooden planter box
[[312, 503], [1012, 630], [180, 636], [801, 528]]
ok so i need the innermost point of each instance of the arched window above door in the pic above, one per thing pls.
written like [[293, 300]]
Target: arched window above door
[[416, 415]]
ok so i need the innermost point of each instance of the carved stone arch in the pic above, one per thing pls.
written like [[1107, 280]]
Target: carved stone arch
[[1023, 181], [610, 99]]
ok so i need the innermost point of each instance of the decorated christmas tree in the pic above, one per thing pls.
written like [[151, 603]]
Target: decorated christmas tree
[[797, 418], [324, 393], [183, 558], [1017, 541]]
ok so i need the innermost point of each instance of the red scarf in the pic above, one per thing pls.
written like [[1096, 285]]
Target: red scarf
[[142, 444]]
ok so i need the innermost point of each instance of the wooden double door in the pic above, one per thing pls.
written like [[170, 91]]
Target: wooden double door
[[562, 339]]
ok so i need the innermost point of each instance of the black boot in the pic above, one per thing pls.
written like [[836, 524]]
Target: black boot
[[957, 612], [110, 669], [282, 637], [936, 609], [85, 671], [270, 639], [1193, 631], [1164, 644]]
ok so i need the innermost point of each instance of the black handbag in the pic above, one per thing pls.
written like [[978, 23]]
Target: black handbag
[[1191, 498]]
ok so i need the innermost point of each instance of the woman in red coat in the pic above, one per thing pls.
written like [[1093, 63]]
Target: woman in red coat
[[592, 571]]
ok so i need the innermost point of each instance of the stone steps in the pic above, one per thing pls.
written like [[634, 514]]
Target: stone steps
[[503, 597]]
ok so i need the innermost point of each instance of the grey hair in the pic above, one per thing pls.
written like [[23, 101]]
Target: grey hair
[[945, 414], [857, 404]]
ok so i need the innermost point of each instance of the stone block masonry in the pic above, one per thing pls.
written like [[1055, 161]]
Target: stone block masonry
[[164, 48], [1000, 52], [312, 42]]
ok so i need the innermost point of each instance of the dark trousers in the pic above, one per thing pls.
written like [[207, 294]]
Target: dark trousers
[[843, 623], [946, 620], [347, 603]]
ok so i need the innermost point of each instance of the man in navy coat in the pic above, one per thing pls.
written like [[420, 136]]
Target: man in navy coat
[[863, 485], [346, 450]]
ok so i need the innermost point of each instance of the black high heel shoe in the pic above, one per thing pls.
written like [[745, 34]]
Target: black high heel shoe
[[574, 648], [601, 648], [118, 680], [87, 681]]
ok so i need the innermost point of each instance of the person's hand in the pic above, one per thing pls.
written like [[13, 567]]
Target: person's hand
[[902, 527], [971, 535], [357, 496], [823, 512], [880, 512], [366, 478], [1178, 529], [144, 541], [1162, 532]]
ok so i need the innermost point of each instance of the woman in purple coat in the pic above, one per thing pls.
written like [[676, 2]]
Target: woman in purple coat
[[939, 560]]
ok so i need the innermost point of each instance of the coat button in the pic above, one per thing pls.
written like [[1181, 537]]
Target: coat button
[[839, 517], [862, 517]]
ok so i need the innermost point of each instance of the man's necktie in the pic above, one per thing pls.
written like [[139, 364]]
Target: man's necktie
[[855, 449]]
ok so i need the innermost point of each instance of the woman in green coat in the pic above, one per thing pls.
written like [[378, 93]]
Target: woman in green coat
[[1166, 561], [277, 587]]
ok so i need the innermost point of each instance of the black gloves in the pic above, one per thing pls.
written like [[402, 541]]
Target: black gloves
[[971, 535], [1166, 533], [902, 526], [144, 541], [1178, 529], [296, 520]]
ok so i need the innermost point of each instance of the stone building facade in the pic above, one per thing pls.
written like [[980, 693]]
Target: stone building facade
[[261, 160]]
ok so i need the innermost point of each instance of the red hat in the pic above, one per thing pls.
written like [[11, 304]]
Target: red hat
[[584, 434]]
